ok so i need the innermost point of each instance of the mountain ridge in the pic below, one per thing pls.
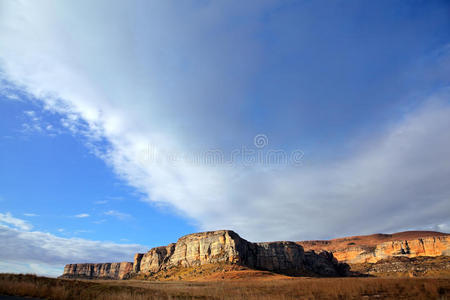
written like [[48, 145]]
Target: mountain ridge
[[225, 250], [375, 247], [217, 247]]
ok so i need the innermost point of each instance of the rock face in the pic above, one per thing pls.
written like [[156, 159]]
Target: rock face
[[371, 254], [98, 271], [373, 248], [219, 247], [226, 246], [420, 266]]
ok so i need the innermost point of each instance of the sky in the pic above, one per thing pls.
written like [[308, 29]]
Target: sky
[[127, 124]]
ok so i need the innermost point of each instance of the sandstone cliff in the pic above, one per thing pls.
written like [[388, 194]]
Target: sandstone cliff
[[373, 248], [226, 246], [218, 247], [98, 271]]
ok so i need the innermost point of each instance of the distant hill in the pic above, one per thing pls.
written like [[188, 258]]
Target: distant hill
[[375, 247]]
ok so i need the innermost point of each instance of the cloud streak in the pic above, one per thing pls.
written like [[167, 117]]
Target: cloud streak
[[396, 179], [117, 214], [82, 216], [30, 215], [46, 254], [8, 219]]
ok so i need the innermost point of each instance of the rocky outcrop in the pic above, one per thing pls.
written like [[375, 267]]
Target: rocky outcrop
[[420, 266], [373, 248], [226, 246], [197, 249], [219, 247], [430, 246], [282, 257], [137, 262], [98, 271]]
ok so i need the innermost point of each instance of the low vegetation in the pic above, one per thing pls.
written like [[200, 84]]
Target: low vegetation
[[278, 288]]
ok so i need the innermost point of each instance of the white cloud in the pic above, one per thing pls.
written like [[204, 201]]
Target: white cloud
[[28, 128], [81, 216], [30, 113], [119, 215], [30, 268], [115, 198], [46, 254], [101, 221], [442, 227], [8, 91], [396, 180], [77, 232], [101, 202], [8, 219], [30, 215], [35, 124]]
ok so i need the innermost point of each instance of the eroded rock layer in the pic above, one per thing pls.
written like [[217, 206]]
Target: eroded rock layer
[[218, 247], [226, 246], [373, 248], [98, 271]]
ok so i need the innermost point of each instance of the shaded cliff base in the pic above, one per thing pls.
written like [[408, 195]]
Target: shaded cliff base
[[210, 272], [291, 288]]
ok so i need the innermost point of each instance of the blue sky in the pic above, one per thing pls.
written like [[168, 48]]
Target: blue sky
[[56, 183], [105, 104]]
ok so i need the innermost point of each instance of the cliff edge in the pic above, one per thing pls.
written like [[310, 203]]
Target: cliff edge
[[217, 247], [376, 247], [98, 271]]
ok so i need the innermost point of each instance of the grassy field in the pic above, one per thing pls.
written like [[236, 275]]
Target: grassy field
[[277, 288]]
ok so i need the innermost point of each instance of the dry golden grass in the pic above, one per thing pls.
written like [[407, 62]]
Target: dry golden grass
[[286, 288]]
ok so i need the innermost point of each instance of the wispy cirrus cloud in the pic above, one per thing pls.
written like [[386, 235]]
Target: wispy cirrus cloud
[[100, 202], [8, 219], [35, 123], [117, 214], [30, 215], [83, 215]]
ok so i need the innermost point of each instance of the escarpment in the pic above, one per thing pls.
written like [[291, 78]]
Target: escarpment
[[98, 271], [373, 248], [364, 254], [217, 247], [226, 246]]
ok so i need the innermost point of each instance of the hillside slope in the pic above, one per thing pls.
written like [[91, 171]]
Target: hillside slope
[[375, 247]]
